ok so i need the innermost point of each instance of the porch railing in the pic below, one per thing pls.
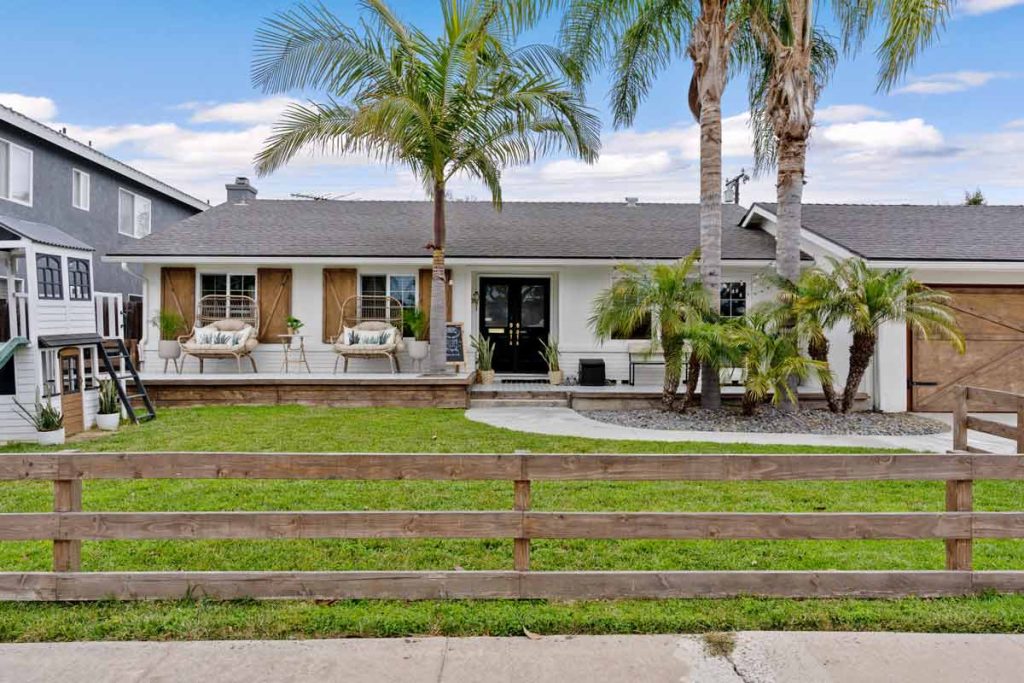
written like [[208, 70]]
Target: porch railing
[[69, 525], [14, 316]]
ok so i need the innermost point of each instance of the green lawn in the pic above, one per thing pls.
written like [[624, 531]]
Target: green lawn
[[296, 428]]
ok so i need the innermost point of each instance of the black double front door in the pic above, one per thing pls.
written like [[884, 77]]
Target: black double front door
[[515, 314]]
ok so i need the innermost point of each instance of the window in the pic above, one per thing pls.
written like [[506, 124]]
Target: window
[[48, 276], [79, 288], [91, 366], [15, 173], [227, 283], [734, 299], [79, 189], [400, 287], [8, 380], [48, 358], [134, 214]]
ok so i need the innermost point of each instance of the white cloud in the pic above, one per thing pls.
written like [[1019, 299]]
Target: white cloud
[[953, 81], [1016, 123], [986, 6], [847, 113], [881, 138], [252, 112], [39, 108]]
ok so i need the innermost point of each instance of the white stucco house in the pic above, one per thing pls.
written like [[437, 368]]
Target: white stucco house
[[532, 270]]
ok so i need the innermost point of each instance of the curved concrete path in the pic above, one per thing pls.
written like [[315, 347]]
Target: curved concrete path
[[567, 422]]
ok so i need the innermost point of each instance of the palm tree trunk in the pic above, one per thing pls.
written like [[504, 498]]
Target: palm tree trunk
[[790, 191], [861, 351], [673, 350], [438, 315], [818, 349], [709, 50], [692, 377], [749, 403]]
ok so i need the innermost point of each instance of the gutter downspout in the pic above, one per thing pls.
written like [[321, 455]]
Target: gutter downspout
[[145, 295]]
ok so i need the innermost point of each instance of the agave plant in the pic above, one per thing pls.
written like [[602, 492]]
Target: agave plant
[[45, 417], [549, 352]]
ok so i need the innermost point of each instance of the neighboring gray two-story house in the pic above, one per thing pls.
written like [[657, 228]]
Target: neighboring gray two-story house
[[49, 178]]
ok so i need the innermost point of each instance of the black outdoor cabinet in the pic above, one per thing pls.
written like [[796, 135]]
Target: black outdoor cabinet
[[592, 372]]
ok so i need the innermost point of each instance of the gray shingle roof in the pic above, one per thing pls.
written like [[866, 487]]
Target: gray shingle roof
[[927, 233], [268, 227], [42, 233]]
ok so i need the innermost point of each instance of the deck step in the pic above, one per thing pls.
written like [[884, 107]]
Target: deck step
[[552, 402]]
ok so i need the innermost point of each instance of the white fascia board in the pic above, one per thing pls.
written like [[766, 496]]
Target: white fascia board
[[758, 211], [981, 266], [409, 261], [54, 137], [769, 226]]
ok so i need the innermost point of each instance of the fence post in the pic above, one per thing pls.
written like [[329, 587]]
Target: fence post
[[959, 498], [521, 546], [67, 497], [1020, 426], [960, 420]]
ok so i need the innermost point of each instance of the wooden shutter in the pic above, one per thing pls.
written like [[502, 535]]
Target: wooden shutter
[[339, 285], [274, 298], [178, 294], [426, 287]]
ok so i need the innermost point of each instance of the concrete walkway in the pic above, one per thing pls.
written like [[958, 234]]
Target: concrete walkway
[[748, 657], [567, 422]]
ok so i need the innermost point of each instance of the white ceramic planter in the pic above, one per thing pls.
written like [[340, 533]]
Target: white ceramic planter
[[54, 438], [108, 422], [169, 349]]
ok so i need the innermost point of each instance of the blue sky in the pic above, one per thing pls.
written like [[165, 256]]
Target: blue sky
[[165, 86]]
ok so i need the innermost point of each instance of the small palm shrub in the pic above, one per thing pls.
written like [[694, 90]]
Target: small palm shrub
[[170, 325]]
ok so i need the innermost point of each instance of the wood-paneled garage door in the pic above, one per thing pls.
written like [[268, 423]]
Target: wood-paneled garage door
[[992, 319]]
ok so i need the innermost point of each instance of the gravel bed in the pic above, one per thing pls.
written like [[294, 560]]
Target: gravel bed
[[769, 419]]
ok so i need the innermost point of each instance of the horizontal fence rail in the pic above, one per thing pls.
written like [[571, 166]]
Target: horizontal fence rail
[[68, 525]]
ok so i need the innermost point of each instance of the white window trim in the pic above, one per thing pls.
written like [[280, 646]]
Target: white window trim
[[31, 174], [88, 191], [136, 195], [387, 282]]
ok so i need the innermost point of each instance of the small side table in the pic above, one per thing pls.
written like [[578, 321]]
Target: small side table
[[293, 353]]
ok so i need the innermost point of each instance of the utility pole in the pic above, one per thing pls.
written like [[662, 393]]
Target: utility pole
[[733, 185]]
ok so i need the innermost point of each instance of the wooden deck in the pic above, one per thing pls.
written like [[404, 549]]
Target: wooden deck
[[362, 390]]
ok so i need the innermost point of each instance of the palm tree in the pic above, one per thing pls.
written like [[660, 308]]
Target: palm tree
[[465, 103], [792, 61], [870, 297], [811, 305], [639, 39], [769, 356], [670, 296]]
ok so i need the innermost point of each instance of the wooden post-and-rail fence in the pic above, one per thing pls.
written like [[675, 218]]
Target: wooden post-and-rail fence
[[68, 525]]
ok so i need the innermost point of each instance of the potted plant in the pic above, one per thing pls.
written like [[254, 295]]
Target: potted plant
[[484, 350], [48, 421], [170, 325], [416, 323], [293, 324], [108, 415], [549, 352]]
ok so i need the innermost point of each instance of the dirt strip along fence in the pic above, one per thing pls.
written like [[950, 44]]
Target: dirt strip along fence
[[68, 525]]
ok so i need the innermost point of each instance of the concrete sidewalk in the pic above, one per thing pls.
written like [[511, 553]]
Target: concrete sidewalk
[[736, 658], [567, 422]]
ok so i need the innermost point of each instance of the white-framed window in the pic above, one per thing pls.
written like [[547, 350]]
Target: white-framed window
[[234, 284], [134, 214], [79, 189], [15, 173], [48, 360], [400, 287]]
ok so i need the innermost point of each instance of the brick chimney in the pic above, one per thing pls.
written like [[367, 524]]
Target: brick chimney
[[240, 191]]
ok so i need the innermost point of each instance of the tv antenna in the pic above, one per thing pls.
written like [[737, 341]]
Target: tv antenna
[[321, 196], [733, 184]]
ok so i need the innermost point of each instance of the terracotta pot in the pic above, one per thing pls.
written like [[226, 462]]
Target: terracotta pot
[[485, 376], [169, 349], [108, 422], [555, 376], [54, 438]]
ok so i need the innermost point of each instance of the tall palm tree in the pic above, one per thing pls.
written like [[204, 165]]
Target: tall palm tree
[[811, 305], [668, 295], [468, 102], [639, 39], [870, 297], [792, 62]]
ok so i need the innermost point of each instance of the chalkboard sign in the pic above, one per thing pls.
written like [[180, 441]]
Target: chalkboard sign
[[454, 344]]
